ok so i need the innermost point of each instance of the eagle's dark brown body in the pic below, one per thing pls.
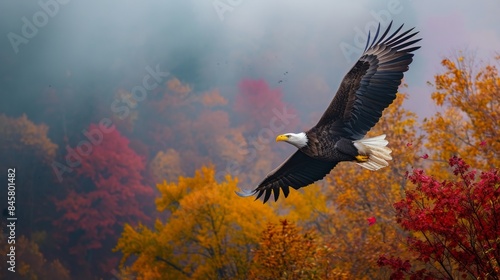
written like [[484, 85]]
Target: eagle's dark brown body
[[337, 149]]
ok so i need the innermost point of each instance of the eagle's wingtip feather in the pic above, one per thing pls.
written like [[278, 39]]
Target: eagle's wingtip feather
[[245, 193]]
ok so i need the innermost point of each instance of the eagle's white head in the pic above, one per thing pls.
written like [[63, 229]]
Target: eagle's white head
[[299, 140]]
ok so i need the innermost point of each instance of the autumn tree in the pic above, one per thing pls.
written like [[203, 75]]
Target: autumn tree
[[26, 147], [257, 102], [290, 252], [30, 262], [454, 225], [359, 197], [177, 119], [21, 137], [110, 192], [209, 233], [166, 166], [468, 124]]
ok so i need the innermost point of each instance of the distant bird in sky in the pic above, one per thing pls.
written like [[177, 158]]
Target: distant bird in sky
[[367, 89]]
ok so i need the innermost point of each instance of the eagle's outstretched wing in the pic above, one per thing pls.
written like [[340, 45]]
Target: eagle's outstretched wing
[[371, 85], [298, 171]]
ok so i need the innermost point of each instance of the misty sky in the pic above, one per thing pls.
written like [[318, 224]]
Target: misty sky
[[98, 47]]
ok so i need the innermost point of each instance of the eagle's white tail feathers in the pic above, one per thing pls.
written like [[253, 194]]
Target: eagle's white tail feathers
[[376, 150]]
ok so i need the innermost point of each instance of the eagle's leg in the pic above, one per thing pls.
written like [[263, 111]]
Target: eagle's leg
[[362, 158], [351, 152], [374, 152], [348, 150]]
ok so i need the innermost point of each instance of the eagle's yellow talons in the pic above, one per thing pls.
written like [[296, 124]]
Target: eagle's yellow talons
[[362, 158]]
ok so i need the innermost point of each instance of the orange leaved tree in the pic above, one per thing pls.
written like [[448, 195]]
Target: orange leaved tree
[[469, 124], [289, 252]]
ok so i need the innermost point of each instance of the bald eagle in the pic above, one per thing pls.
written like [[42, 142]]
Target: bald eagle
[[367, 89]]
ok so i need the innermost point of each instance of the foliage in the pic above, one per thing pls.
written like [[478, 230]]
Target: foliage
[[306, 206], [30, 262], [257, 101], [287, 252], [469, 126], [209, 233], [109, 193], [26, 147], [196, 125], [455, 225], [22, 137], [166, 166], [204, 128]]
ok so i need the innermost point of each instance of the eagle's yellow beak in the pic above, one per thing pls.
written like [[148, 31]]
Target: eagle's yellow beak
[[281, 137]]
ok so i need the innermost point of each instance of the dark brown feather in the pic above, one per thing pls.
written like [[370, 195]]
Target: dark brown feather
[[370, 86], [298, 171]]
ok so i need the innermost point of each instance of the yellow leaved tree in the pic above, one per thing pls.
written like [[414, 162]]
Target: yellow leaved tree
[[209, 233], [469, 124]]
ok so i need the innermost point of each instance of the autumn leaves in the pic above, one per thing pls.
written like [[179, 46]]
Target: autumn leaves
[[149, 192], [454, 225]]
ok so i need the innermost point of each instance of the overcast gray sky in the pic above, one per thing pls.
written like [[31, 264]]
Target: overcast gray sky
[[214, 44]]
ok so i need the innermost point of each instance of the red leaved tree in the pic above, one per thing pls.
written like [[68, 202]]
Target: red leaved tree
[[110, 192], [454, 226], [256, 104]]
